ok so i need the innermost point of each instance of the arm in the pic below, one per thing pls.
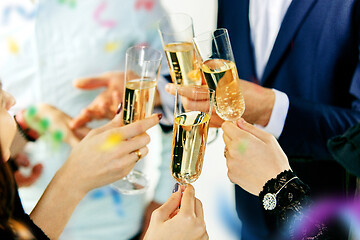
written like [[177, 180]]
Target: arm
[[321, 122], [91, 164]]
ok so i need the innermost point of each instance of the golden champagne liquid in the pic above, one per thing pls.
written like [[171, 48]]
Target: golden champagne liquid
[[221, 76], [182, 63], [139, 99], [188, 146]]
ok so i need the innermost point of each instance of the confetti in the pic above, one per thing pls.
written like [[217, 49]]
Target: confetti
[[70, 3], [97, 17], [147, 4], [242, 147], [13, 46], [20, 10], [111, 46], [112, 141]]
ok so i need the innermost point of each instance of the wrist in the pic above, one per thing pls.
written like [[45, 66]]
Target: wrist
[[268, 102], [68, 183], [286, 188]]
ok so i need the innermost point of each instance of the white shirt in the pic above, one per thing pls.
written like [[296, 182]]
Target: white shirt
[[265, 18]]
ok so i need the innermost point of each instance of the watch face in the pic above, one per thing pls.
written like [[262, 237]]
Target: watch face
[[269, 201]]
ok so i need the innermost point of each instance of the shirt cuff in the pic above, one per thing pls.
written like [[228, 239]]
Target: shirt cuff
[[278, 115]]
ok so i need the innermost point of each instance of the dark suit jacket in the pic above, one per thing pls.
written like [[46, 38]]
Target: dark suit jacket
[[315, 61]]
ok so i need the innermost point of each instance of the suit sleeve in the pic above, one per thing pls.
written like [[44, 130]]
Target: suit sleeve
[[309, 125]]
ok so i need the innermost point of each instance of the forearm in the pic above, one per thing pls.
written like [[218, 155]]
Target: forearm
[[56, 205]]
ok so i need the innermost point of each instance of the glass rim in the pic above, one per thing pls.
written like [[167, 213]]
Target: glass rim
[[155, 59], [210, 35], [169, 16]]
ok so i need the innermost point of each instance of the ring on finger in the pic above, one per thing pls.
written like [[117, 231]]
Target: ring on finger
[[138, 154], [225, 151]]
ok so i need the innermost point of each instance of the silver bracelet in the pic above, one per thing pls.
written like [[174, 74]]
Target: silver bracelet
[[269, 200]]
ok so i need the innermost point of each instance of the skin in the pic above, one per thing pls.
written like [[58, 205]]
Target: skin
[[88, 167], [106, 103], [59, 121], [252, 156], [259, 102], [105, 106]]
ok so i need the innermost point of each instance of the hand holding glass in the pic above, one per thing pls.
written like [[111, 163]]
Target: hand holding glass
[[141, 76]]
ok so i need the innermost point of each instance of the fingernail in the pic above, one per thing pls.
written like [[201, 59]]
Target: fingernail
[[119, 108], [160, 116], [176, 187]]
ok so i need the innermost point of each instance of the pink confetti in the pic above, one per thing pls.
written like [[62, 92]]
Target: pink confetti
[[147, 4], [97, 16]]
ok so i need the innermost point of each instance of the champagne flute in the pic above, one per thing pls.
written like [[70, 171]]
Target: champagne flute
[[219, 70], [191, 125], [142, 70], [177, 32]]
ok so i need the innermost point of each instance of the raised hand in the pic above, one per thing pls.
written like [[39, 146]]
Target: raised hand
[[46, 119], [105, 105]]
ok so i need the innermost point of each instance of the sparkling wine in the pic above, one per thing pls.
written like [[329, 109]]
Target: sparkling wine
[[182, 63], [139, 99], [189, 141], [221, 76]]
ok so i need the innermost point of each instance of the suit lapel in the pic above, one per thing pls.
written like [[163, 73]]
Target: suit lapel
[[295, 15], [244, 56]]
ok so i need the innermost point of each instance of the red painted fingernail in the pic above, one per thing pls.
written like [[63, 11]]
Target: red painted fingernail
[[160, 116]]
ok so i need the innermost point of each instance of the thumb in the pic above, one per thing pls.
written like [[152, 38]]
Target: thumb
[[247, 127], [91, 82], [169, 206]]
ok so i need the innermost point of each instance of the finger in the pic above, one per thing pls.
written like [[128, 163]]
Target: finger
[[202, 92], [114, 124], [81, 132], [80, 120], [91, 82], [230, 130], [258, 133], [139, 127], [199, 209], [134, 157], [22, 160], [72, 139], [227, 140], [188, 200], [28, 180], [170, 207]]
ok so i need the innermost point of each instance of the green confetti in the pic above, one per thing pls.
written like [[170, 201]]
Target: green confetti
[[58, 136], [30, 112], [44, 124], [71, 3], [242, 147]]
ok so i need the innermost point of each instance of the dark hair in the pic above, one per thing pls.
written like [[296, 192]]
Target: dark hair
[[7, 194]]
